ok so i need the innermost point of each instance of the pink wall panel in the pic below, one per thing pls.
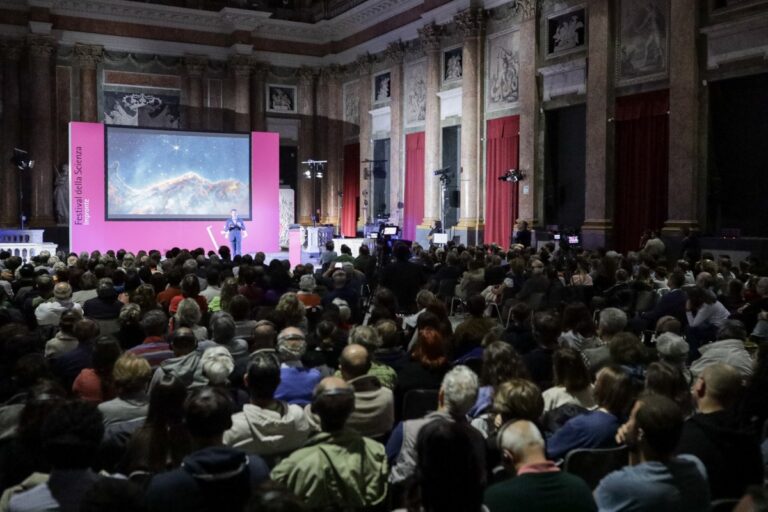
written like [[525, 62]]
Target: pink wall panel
[[89, 229]]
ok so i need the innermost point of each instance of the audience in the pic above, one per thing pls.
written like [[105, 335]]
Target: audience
[[183, 410]]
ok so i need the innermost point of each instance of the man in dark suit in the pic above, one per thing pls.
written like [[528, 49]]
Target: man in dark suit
[[234, 230], [671, 303]]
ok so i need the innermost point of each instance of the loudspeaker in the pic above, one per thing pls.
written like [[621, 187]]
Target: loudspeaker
[[454, 198]]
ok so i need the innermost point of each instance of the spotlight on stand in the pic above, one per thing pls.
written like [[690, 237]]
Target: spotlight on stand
[[21, 160], [442, 172], [512, 175]]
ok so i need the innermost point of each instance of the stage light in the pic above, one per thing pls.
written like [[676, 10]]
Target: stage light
[[319, 175], [512, 175], [21, 160], [442, 172], [308, 174]]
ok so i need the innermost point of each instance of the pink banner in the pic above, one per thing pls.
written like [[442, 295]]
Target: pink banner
[[89, 229]]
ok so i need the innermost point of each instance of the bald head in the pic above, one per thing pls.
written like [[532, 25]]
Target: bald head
[[719, 386], [333, 401], [354, 361], [522, 443]]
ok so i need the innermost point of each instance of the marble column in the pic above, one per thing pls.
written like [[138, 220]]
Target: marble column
[[321, 141], [259, 97], [597, 230], [333, 182], [306, 150], [394, 54], [430, 43], [40, 129], [470, 228], [11, 136], [684, 99], [241, 66], [529, 112], [366, 147], [88, 58], [195, 66]]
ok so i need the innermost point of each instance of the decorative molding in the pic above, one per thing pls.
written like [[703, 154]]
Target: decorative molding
[[88, 56], [11, 48], [241, 19], [195, 65], [526, 9], [240, 64], [450, 103], [381, 122], [40, 46], [260, 70], [364, 64], [395, 52], [306, 75], [470, 22], [566, 78], [430, 36], [737, 40]]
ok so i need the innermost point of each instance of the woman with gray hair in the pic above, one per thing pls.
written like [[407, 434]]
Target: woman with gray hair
[[188, 314], [296, 381]]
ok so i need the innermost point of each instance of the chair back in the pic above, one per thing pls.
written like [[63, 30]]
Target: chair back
[[446, 288], [593, 464], [724, 505], [418, 402]]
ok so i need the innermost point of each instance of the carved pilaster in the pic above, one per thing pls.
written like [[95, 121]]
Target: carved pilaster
[[259, 70], [40, 47], [364, 64], [88, 56], [526, 9], [11, 49], [430, 37], [395, 52], [240, 65], [306, 75]]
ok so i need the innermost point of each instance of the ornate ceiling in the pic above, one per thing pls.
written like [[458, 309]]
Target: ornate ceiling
[[307, 11]]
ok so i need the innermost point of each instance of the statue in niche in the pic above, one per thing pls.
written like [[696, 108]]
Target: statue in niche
[[417, 101], [382, 87], [504, 79], [61, 194], [453, 68], [281, 102], [567, 34]]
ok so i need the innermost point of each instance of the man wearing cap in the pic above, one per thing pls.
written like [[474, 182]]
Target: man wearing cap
[[296, 381], [49, 313], [338, 467]]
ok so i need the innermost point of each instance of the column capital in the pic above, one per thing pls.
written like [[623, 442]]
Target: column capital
[[430, 37], [260, 69], [40, 46], [11, 48], [306, 75], [364, 63], [470, 22], [241, 65], [195, 65], [526, 9], [395, 52], [334, 71], [88, 56]]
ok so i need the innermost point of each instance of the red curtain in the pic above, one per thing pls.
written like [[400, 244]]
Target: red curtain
[[351, 200], [503, 140], [642, 164], [413, 213]]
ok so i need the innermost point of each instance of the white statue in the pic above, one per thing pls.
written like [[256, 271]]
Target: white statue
[[382, 93], [281, 101], [453, 71], [567, 34]]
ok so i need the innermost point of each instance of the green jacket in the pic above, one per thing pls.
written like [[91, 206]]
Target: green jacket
[[342, 470]]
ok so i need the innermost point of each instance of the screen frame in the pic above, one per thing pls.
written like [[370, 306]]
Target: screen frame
[[246, 135]]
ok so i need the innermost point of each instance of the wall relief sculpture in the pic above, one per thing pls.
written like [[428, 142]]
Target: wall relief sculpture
[[415, 93], [643, 40], [503, 65], [141, 108]]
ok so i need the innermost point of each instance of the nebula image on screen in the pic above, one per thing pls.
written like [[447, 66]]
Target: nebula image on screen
[[167, 175]]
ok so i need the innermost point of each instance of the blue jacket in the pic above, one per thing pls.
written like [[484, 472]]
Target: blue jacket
[[594, 429]]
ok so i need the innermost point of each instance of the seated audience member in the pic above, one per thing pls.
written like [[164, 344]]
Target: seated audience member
[[537, 282], [572, 382], [427, 367], [154, 348], [667, 380], [458, 393], [449, 473], [214, 477], [185, 365], [613, 392], [213, 289], [293, 311], [403, 278], [673, 350], [96, 383], [115, 495], [546, 330], [338, 468], [369, 338], [671, 303], [306, 293], [218, 366], [578, 327], [727, 349], [188, 315], [341, 291], [500, 364], [470, 332], [539, 485], [516, 398], [656, 479], [730, 455], [391, 352], [131, 376], [190, 289], [105, 305], [611, 322], [70, 440], [266, 426], [705, 315], [519, 333], [67, 366], [296, 381], [162, 441], [628, 352], [374, 412], [172, 290], [50, 311], [223, 331], [65, 339], [129, 321], [264, 336]]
